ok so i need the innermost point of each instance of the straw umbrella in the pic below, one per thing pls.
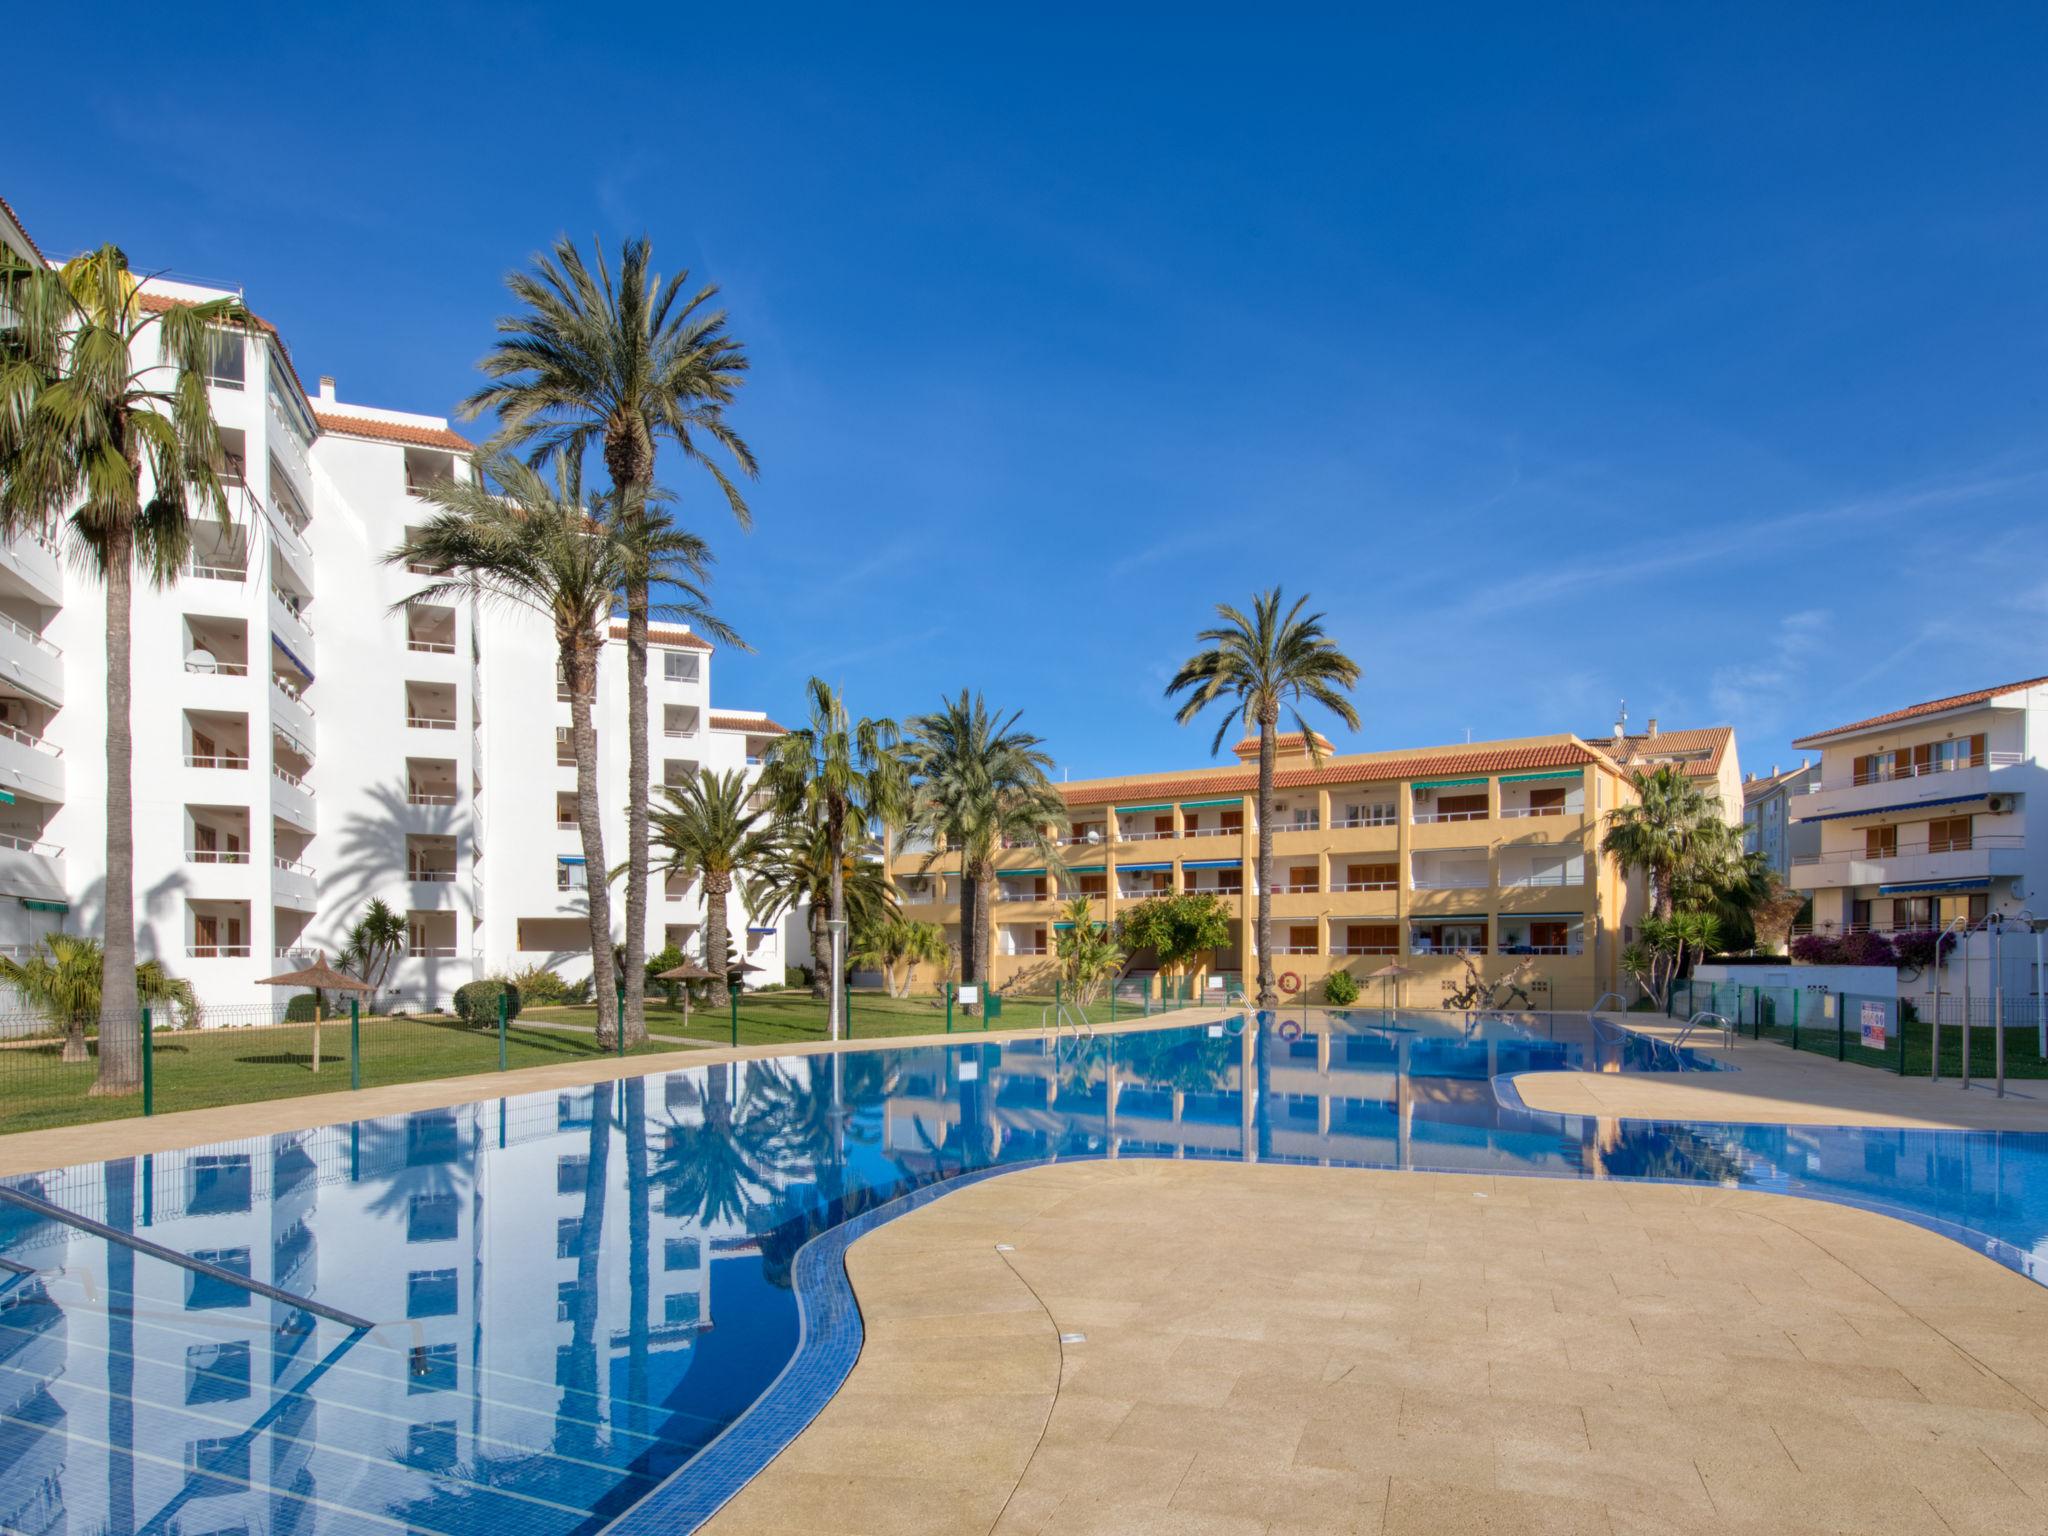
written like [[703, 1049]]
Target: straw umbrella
[[686, 973], [321, 977], [1392, 971]]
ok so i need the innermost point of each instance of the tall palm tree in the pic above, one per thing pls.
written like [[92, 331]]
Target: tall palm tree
[[623, 367], [837, 772], [709, 830], [980, 784], [64, 981], [800, 871], [1673, 833], [107, 430], [508, 535], [1260, 664]]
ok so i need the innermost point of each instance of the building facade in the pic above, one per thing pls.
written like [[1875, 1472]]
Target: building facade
[[1929, 814], [1706, 755], [309, 737], [1767, 824], [1443, 860]]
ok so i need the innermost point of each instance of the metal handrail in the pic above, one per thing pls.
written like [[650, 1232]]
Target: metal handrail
[[1727, 1029], [1601, 1000]]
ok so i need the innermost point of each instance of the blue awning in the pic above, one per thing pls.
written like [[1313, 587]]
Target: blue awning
[[760, 930], [1206, 864], [292, 657], [569, 858], [1886, 810], [1924, 887], [1140, 869]]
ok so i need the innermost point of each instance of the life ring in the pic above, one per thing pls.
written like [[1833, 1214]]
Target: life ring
[[1290, 982], [1290, 1030]]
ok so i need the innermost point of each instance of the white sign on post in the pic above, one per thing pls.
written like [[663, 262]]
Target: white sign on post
[[967, 996], [1873, 1026]]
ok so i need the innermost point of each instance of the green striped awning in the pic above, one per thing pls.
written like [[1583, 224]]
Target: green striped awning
[[1198, 805], [1446, 783], [1132, 810], [1529, 778], [1086, 869], [44, 906], [1017, 874]]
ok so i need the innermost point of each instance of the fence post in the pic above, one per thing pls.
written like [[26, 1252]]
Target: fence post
[[1795, 1018], [1841, 1026], [501, 1030], [355, 1041], [1055, 995], [148, 1068], [733, 997], [1899, 1018], [619, 1035], [849, 1008], [949, 1007]]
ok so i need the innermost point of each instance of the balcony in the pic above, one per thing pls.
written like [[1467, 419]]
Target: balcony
[[31, 764], [1553, 935], [32, 868], [31, 567], [30, 662], [291, 798], [290, 623], [430, 706], [289, 708], [293, 883], [1977, 858], [1451, 870], [1908, 785]]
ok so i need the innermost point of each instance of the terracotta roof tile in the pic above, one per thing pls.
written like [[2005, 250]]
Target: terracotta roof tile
[[1914, 711], [666, 634], [758, 725], [1711, 739], [159, 302], [8, 208], [1357, 769], [393, 432]]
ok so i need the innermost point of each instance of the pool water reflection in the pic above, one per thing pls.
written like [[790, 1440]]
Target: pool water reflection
[[574, 1292]]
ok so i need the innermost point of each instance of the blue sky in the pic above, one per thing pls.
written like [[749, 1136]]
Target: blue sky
[[1564, 355]]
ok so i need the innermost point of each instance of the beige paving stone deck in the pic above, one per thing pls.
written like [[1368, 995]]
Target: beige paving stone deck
[[1776, 1085], [1274, 1351]]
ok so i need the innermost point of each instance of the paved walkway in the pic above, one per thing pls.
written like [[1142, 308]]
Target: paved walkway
[[1780, 1086], [1275, 1351]]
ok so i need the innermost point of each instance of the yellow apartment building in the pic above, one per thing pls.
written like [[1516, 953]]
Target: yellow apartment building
[[1486, 851]]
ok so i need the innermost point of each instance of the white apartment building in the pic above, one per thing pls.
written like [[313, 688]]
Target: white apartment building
[[307, 738], [1931, 813]]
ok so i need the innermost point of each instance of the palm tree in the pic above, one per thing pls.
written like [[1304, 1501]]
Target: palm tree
[[64, 980], [1260, 664], [1672, 834], [622, 367], [108, 431], [507, 534], [373, 942], [981, 784], [899, 941], [837, 772], [799, 871], [709, 830]]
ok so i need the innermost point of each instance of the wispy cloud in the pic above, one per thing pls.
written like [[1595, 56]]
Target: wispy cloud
[[1762, 687]]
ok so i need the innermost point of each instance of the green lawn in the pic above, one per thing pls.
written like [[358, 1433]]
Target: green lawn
[[2022, 1055], [778, 1018]]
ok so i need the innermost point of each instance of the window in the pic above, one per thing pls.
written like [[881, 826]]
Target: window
[[1913, 912], [216, 1373], [226, 361], [430, 1368], [431, 1138], [571, 875], [679, 666], [680, 1310], [1880, 842], [572, 1174], [1371, 877], [218, 1464], [1859, 915], [568, 1237], [1948, 834], [681, 1253], [431, 1218], [565, 1301], [1369, 813], [209, 1292], [430, 1293], [217, 1184]]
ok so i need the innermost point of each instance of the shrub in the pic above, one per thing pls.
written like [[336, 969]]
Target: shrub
[[1916, 949], [1817, 949], [539, 987], [1867, 949], [299, 1010], [1341, 990], [796, 976], [476, 1002]]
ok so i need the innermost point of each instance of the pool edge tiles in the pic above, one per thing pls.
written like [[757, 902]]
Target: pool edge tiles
[[828, 1345]]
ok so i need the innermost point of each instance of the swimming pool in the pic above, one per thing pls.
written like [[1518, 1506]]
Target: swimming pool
[[529, 1314]]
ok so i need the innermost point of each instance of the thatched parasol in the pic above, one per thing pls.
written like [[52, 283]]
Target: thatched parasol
[[321, 977], [686, 973], [1392, 971]]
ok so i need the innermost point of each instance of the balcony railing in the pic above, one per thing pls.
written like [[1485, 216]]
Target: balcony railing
[[1425, 818], [420, 875], [1452, 882], [430, 951], [1081, 839], [207, 570], [217, 951], [30, 845], [216, 855], [291, 693], [47, 748], [1144, 895], [1541, 877], [1513, 812], [1211, 831], [34, 639], [435, 723], [1297, 890], [1898, 772], [1020, 896], [1364, 885], [1123, 836], [1295, 949], [1967, 843], [218, 668], [1426, 947], [1540, 949], [1345, 822], [430, 797], [293, 866], [1029, 949], [285, 775], [431, 647], [292, 604], [1312, 824], [213, 760], [1365, 949]]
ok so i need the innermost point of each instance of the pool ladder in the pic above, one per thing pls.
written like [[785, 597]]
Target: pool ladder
[[1063, 1021], [1704, 1017]]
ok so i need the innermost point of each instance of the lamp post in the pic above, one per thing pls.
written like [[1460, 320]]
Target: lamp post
[[835, 1008], [1956, 926]]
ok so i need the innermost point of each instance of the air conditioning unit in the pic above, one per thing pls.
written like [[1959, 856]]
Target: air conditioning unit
[[1998, 803]]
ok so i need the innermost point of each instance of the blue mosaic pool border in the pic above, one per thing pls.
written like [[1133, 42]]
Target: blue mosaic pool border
[[829, 1339]]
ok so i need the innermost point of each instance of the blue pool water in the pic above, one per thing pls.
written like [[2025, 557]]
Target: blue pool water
[[571, 1294]]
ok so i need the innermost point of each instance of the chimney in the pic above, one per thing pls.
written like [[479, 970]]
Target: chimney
[[327, 389], [1749, 777], [1774, 770], [1652, 732]]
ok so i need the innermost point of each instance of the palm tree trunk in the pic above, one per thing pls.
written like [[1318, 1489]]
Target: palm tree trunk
[[120, 1070], [821, 979], [1268, 997], [639, 1226], [969, 904], [578, 1421], [715, 887], [984, 923], [579, 665], [835, 850], [637, 860]]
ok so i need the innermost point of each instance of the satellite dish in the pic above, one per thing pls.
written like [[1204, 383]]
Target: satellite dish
[[200, 661]]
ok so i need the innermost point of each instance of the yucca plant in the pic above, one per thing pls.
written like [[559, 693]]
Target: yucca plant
[[63, 980]]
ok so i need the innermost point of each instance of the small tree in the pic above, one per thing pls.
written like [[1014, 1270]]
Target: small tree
[[1774, 915], [1088, 952], [1667, 946], [61, 981], [896, 947], [373, 944], [1340, 990], [1177, 929]]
